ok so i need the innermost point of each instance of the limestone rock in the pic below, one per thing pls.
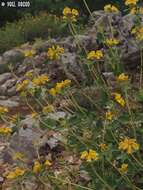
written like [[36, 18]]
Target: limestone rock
[[4, 77], [13, 56], [9, 103], [120, 27]]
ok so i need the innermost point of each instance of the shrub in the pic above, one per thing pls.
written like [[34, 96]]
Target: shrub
[[52, 6], [10, 37], [43, 25], [29, 28]]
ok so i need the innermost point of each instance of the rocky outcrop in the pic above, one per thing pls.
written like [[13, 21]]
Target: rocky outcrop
[[120, 27], [30, 139], [71, 64]]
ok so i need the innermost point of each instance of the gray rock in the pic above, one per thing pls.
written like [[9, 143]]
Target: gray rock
[[9, 83], [4, 77], [57, 115], [11, 91], [13, 56], [3, 90], [10, 57], [52, 142], [72, 66], [24, 145], [3, 97], [29, 131], [86, 41], [9, 103], [8, 87]]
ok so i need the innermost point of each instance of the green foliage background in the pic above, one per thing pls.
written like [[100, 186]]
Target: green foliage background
[[51, 6]]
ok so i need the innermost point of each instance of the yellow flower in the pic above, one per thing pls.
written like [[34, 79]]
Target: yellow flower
[[29, 53], [131, 2], [3, 110], [138, 32], [122, 77], [40, 80], [16, 173], [34, 114], [136, 10], [89, 155], [103, 147], [47, 109], [22, 85], [5, 130], [123, 169], [92, 55], [111, 42], [133, 10], [55, 52], [119, 99], [67, 82], [62, 84], [109, 115], [37, 167], [66, 11], [75, 12], [84, 155], [70, 14], [129, 145], [53, 91], [29, 74], [59, 86], [47, 163], [18, 156], [110, 9]]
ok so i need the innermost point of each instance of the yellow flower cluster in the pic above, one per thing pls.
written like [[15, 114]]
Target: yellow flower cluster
[[110, 9], [138, 32], [29, 53], [40, 80], [3, 110], [122, 77], [111, 42], [59, 86], [123, 169], [5, 130], [92, 55], [22, 85], [89, 155], [129, 145], [48, 109], [119, 99], [38, 166], [109, 115], [131, 2], [136, 10], [47, 163], [16, 173], [70, 14], [55, 52], [103, 147], [18, 156]]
